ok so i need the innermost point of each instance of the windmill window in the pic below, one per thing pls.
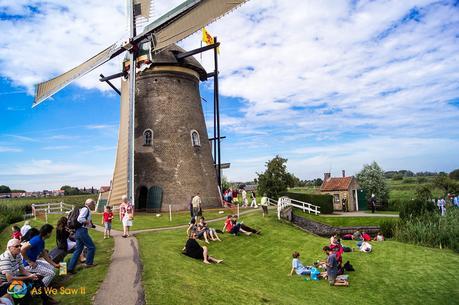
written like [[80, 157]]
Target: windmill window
[[195, 141], [147, 137]]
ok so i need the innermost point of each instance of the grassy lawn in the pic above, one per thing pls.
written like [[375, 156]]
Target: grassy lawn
[[346, 221], [150, 220], [88, 278], [256, 267], [384, 212]]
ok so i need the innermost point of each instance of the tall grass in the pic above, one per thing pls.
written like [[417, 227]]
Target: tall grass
[[430, 229], [10, 214]]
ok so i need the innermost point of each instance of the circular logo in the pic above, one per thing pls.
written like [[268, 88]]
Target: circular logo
[[17, 289]]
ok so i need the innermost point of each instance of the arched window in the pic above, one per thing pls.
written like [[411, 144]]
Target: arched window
[[195, 141], [147, 137]]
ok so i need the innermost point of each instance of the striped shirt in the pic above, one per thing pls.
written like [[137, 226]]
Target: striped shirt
[[9, 264]]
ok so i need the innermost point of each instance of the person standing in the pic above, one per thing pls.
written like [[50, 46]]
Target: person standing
[[107, 218], [373, 203], [196, 203], [35, 249], [126, 215], [82, 237], [244, 199], [264, 204], [344, 204], [253, 204], [332, 268]]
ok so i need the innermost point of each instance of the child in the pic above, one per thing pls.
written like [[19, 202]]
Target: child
[[332, 268], [379, 237], [16, 233], [298, 267], [107, 221]]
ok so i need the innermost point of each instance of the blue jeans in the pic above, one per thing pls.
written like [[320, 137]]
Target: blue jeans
[[82, 239]]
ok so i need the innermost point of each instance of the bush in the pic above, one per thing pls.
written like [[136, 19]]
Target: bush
[[408, 180], [422, 180], [388, 228], [325, 202], [397, 177], [415, 208], [10, 214]]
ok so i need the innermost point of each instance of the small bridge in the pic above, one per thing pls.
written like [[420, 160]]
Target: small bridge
[[285, 202]]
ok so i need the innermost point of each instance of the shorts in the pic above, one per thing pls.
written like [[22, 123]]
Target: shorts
[[107, 225]]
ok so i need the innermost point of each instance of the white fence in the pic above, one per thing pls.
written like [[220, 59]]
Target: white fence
[[51, 208], [284, 202]]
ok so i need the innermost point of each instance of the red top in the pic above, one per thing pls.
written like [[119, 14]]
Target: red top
[[108, 216], [366, 237], [17, 235], [228, 225]]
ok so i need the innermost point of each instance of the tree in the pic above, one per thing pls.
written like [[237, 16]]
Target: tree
[[69, 190], [444, 183], [423, 193], [275, 178], [454, 174], [371, 179], [4, 189]]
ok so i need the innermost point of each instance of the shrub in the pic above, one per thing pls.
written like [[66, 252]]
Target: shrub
[[408, 180], [415, 208], [10, 214], [397, 177], [421, 180], [388, 228], [325, 202]]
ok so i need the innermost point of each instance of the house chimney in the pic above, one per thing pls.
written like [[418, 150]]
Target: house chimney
[[326, 176], [344, 173]]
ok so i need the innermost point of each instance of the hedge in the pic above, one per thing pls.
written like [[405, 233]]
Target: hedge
[[325, 202]]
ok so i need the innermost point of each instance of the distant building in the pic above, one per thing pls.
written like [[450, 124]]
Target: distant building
[[341, 188]]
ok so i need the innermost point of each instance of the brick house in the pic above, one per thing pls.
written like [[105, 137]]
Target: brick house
[[341, 188]]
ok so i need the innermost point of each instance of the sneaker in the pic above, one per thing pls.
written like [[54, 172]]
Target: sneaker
[[89, 266], [71, 272]]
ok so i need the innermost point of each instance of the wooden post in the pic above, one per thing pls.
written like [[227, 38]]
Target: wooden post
[[46, 217], [170, 213], [61, 206]]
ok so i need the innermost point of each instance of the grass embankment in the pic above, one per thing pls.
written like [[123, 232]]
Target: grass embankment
[[256, 267], [90, 278]]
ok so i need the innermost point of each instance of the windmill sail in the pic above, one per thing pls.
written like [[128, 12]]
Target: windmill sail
[[177, 24]]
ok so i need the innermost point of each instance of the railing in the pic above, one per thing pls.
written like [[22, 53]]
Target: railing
[[51, 208], [284, 202]]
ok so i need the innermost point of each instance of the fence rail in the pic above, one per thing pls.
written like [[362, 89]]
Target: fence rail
[[51, 208], [284, 202]]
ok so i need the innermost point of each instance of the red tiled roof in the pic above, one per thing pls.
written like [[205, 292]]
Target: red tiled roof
[[336, 184]]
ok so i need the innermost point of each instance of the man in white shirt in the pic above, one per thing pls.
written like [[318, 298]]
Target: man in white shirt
[[196, 204]]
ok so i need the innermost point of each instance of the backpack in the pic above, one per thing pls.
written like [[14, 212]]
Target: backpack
[[72, 220], [348, 267]]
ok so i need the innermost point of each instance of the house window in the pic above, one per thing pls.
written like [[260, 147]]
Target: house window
[[195, 141], [147, 137], [336, 197]]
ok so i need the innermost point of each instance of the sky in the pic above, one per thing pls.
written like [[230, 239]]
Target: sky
[[329, 85]]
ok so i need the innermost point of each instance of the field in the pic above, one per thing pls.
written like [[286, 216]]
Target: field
[[77, 199], [346, 221], [88, 278], [255, 271]]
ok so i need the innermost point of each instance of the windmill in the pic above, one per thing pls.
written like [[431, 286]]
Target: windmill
[[159, 35]]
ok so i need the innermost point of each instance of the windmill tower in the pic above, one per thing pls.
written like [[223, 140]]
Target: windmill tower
[[160, 108]]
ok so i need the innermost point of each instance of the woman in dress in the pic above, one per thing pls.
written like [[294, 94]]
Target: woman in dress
[[194, 250], [126, 215]]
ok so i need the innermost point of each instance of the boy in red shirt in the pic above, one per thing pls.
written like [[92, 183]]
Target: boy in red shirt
[[107, 221], [16, 233]]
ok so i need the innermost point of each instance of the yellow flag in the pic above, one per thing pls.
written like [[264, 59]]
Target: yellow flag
[[208, 39]]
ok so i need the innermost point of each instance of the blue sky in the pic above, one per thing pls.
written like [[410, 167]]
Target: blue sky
[[330, 85]]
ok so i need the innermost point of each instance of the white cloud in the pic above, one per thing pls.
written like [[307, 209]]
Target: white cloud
[[9, 149]]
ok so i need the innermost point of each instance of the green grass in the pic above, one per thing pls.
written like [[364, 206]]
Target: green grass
[[88, 278], [345, 221], [77, 199], [384, 212], [255, 271], [150, 221]]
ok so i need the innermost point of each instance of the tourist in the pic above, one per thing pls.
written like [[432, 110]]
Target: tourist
[[201, 230], [82, 237], [456, 201], [253, 204], [212, 233], [244, 228], [298, 267], [30, 233], [126, 215], [344, 204], [332, 268], [194, 250], [264, 204], [191, 227], [372, 202], [26, 227], [365, 247], [196, 203], [12, 268], [366, 236], [16, 232], [190, 206], [379, 237], [244, 199], [32, 252], [64, 245], [231, 226], [107, 218]]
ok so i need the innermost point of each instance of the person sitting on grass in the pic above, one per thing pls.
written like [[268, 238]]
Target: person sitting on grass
[[298, 267], [233, 227], [191, 226], [379, 237], [36, 258], [26, 227], [212, 233], [16, 233], [332, 268], [365, 247], [366, 236], [202, 230], [245, 228], [194, 250]]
